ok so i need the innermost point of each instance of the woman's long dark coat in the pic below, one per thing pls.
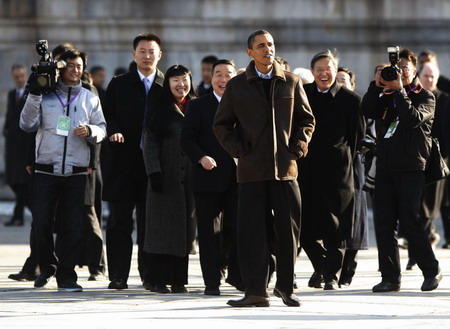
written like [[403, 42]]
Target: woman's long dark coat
[[170, 221], [326, 175]]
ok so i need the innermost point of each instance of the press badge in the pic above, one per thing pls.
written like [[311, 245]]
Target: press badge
[[63, 126], [392, 128]]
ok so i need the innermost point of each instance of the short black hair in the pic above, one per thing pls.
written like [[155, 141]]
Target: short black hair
[[408, 55], [223, 61], [62, 48], [71, 54], [147, 37], [325, 54], [251, 37], [210, 59]]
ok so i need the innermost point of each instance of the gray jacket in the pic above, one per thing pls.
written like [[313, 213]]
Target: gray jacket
[[56, 154]]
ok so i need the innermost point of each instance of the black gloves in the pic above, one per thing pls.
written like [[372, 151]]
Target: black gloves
[[156, 182], [32, 85]]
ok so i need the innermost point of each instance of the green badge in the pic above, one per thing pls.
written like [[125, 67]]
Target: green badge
[[63, 126]]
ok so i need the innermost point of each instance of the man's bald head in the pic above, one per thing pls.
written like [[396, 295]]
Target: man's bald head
[[429, 75]]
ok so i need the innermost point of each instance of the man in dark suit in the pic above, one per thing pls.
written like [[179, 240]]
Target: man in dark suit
[[215, 186], [205, 86], [16, 145], [127, 98]]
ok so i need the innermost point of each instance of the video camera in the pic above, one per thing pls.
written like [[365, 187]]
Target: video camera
[[45, 72], [390, 73]]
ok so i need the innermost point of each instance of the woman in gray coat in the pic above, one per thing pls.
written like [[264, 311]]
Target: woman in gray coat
[[170, 228]]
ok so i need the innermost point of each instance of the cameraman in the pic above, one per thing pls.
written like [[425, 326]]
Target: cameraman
[[65, 120], [405, 112]]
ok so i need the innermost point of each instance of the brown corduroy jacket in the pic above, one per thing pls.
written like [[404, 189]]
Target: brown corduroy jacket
[[267, 136]]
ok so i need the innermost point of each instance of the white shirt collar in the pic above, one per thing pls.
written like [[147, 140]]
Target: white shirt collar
[[265, 75], [323, 92], [150, 78], [217, 96]]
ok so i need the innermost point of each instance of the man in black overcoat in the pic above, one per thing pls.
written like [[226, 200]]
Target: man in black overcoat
[[16, 145], [128, 97], [326, 175], [215, 185]]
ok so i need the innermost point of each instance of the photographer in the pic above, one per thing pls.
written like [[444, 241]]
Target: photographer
[[65, 120], [405, 112]]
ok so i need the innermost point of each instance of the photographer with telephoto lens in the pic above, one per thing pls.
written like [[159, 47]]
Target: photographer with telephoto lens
[[405, 113]]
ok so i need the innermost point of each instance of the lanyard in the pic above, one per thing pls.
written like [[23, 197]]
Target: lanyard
[[69, 102]]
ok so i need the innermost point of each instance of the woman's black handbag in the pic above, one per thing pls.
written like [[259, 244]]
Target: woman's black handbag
[[436, 168]]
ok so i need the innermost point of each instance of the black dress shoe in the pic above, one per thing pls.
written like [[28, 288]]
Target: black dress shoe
[[96, 276], [118, 284], [344, 284], [22, 276], [411, 264], [42, 280], [385, 286], [212, 291], [331, 285], [15, 221], [288, 299], [431, 283], [146, 285], [250, 301], [160, 288], [316, 280], [178, 289]]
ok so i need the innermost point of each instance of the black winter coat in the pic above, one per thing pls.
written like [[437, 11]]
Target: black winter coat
[[326, 175], [198, 140], [409, 147], [124, 113]]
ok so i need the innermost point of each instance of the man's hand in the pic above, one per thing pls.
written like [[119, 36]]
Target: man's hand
[[117, 138], [207, 162], [82, 131], [393, 85]]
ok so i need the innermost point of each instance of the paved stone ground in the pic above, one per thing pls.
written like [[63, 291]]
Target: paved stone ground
[[21, 306]]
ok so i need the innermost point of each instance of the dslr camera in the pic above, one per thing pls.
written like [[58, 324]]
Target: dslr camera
[[45, 73], [389, 73]]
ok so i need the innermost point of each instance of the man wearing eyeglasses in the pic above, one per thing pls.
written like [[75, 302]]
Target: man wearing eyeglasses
[[405, 112]]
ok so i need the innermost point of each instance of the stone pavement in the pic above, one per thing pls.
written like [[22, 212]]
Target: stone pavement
[[21, 306]]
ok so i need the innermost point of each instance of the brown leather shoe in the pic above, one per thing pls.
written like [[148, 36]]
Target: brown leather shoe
[[250, 301], [288, 299]]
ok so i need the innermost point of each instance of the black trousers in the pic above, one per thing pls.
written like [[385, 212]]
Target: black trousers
[[397, 200], [348, 266], [119, 243], [168, 269], [255, 200], [22, 193], [68, 192], [217, 226], [326, 258]]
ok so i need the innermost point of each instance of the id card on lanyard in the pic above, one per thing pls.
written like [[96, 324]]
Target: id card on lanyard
[[63, 125], [392, 128]]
